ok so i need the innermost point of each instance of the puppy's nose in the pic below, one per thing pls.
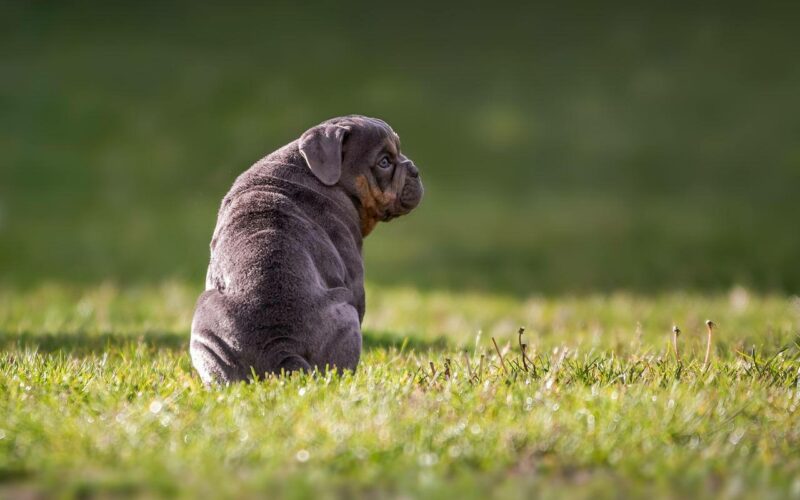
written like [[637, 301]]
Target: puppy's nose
[[413, 171]]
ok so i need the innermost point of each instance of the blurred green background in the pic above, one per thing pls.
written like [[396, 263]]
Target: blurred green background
[[565, 148]]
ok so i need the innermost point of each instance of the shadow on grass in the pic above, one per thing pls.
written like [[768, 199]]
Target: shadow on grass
[[86, 344], [387, 340]]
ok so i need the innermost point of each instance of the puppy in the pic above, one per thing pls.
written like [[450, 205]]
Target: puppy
[[285, 285]]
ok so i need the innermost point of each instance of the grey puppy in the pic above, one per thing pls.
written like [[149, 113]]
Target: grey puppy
[[285, 285]]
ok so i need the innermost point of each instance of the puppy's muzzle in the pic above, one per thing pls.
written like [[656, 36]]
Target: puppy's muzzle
[[411, 193]]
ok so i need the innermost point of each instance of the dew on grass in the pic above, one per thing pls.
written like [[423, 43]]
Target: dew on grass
[[736, 436], [156, 406], [428, 459]]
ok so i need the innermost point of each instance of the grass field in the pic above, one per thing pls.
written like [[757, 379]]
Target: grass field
[[98, 398]]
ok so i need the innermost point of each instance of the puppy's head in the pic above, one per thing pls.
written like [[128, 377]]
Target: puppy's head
[[362, 156]]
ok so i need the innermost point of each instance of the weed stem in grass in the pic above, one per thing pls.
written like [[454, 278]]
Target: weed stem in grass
[[675, 332], [502, 361], [523, 347], [710, 326], [469, 367]]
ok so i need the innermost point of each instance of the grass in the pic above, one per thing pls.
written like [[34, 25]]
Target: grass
[[98, 398]]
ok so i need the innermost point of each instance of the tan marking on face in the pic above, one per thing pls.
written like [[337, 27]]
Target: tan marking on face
[[375, 203]]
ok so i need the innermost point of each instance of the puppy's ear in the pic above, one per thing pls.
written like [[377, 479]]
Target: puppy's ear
[[321, 147]]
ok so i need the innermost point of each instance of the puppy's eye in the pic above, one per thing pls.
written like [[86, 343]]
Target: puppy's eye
[[385, 163]]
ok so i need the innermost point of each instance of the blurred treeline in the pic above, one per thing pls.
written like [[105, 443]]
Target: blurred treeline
[[567, 147]]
